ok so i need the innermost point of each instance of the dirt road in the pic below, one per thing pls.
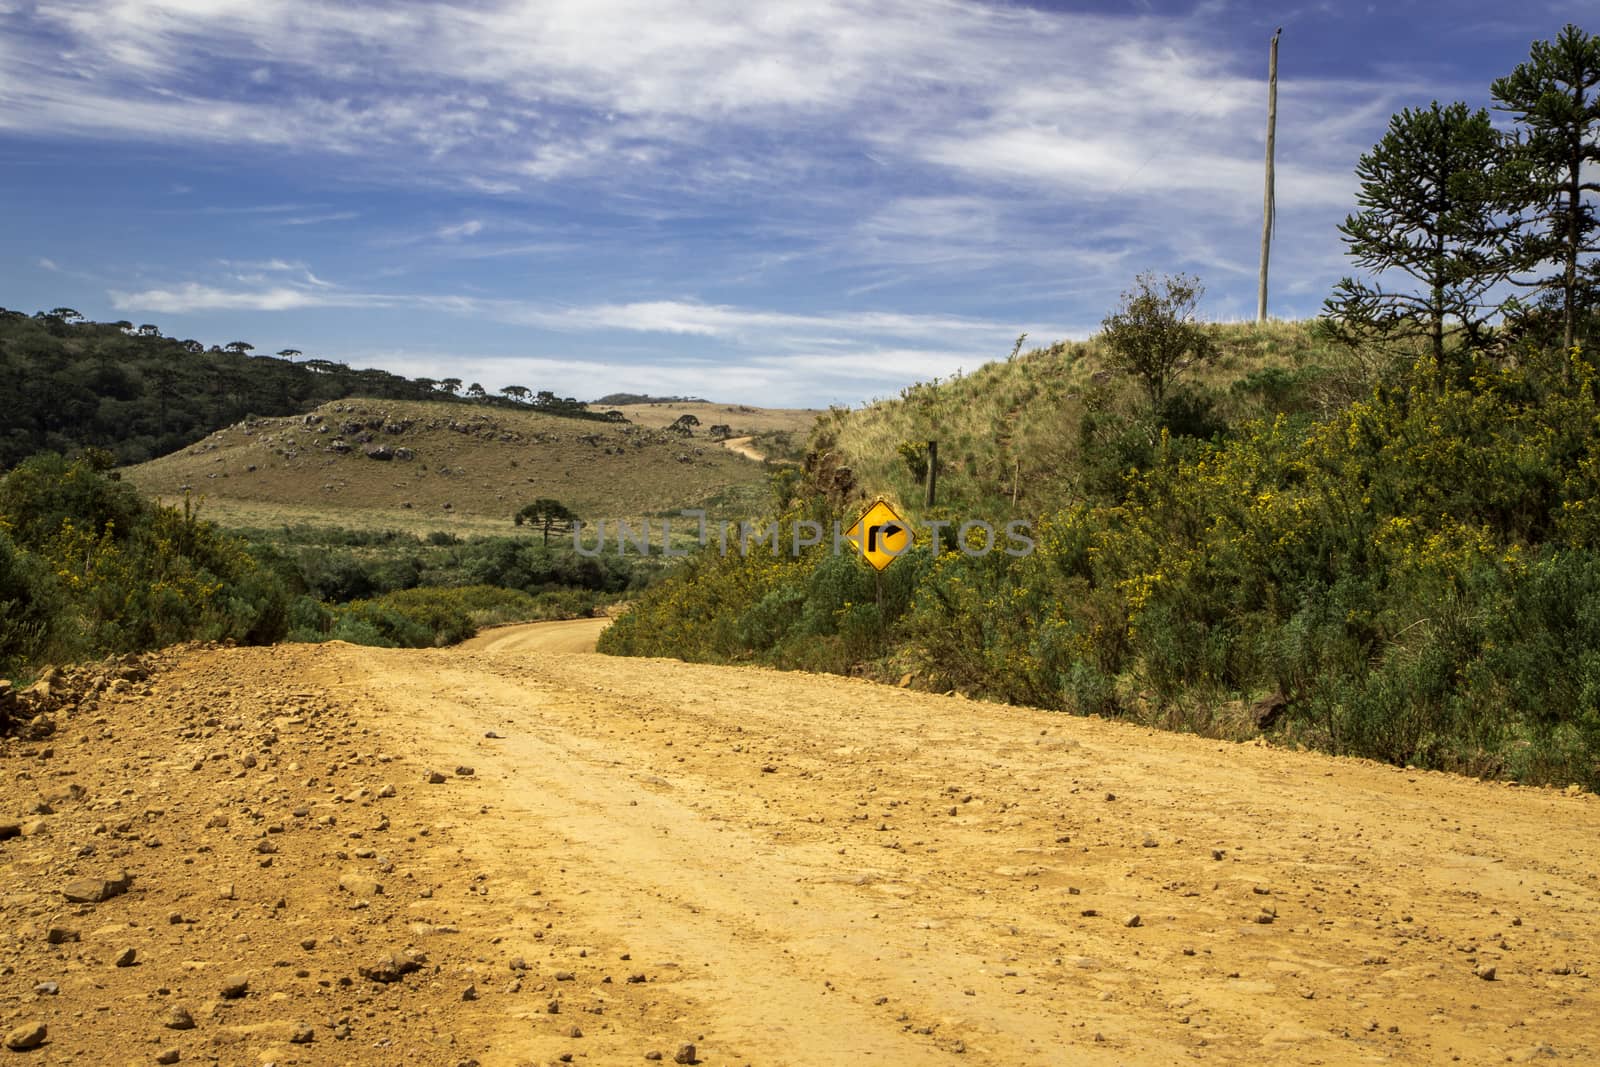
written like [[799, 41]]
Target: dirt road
[[567, 635], [742, 446], [777, 868]]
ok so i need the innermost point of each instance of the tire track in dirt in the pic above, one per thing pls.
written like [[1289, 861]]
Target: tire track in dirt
[[932, 875], [599, 858]]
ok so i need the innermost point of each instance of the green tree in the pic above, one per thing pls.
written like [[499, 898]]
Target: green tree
[[1436, 204], [240, 347], [1555, 97], [1154, 336], [546, 514]]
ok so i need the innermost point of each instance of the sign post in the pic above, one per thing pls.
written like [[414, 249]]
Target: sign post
[[880, 535]]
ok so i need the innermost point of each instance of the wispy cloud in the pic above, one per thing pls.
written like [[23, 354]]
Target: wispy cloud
[[469, 228], [315, 220], [501, 93], [866, 185], [774, 329]]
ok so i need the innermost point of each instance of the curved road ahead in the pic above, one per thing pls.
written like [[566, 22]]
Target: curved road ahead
[[565, 635]]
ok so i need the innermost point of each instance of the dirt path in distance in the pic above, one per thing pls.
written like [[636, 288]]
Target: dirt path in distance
[[741, 445], [565, 635]]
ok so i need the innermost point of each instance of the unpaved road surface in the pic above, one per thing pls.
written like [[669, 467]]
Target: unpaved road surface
[[566, 635], [621, 857], [742, 446]]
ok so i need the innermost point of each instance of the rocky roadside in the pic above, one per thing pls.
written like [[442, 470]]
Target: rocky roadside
[[202, 864]]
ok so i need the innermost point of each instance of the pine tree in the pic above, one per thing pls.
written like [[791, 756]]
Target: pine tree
[[1436, 204], [1555, 97]]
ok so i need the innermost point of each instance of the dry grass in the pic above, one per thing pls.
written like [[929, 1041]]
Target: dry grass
[[1010, 427], [743, 420], [483, 463]]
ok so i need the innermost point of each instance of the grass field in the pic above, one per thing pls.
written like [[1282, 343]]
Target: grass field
[[1009, 430], [465, 471]]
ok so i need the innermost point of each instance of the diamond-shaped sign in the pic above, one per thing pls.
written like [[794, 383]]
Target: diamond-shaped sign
[[880, 535]]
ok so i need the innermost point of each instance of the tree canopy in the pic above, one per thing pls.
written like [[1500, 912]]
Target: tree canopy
[[1555, 99], [1154, 336], [546, 515]]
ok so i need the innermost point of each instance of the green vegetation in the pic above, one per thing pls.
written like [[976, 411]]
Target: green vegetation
[[1154, 338], [546, 514], [88, 567], [1388, 520], [426, 617], [400, 590], [72, 384]]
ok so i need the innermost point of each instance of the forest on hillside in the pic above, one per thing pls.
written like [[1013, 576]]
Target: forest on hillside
[[73, 384]]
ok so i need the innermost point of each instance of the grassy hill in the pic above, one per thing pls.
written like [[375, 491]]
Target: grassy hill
[[443, 466], [1371, 554], [1012, 435]]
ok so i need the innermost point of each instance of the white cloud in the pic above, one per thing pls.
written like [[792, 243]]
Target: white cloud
[[469, 228], [314, 220], [271, 265], [48, 264], [638, 92], [774, 329], [194, 297], [802, 379], [712, 320]]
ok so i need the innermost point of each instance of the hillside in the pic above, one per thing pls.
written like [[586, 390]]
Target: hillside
[[1394, 557], [1012, 433], [742, 420], [73, 384], [360, 462]]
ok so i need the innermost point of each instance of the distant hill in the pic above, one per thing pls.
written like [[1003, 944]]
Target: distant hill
[[353, 461], [612, 400], [742, 420], [72, 384]]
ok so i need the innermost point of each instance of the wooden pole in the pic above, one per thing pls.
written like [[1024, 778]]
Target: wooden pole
[[933, 472], [1269, 208]]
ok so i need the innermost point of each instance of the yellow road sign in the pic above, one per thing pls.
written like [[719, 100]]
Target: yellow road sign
[[880, 535]]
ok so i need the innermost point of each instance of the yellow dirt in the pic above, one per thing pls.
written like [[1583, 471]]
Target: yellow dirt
[[741, 445], [566, 635], [796, 869]]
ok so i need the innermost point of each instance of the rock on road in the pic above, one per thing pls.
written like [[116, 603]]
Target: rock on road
[[618, 857]]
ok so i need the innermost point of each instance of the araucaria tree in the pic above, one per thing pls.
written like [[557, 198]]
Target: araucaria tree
[[1555, 99], [546, 514], [1436, 204], [1154, 335]]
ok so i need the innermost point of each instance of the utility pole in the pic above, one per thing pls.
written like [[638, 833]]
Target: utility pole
[[1269, 208]]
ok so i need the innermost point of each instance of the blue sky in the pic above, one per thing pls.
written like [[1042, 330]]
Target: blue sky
[[796, 203]]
